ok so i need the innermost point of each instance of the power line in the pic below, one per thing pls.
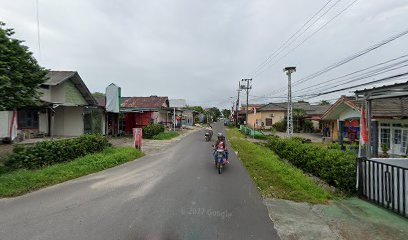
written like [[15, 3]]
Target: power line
[[348, 59], [363, 75], [347, 7], [358, 85], [361, 78], [38, 29], [283, 46], [311, 35], [357, 78]]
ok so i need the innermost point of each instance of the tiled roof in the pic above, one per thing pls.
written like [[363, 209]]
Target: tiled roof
[[390, 107], [309, 109], [101, 100], [318, 109], [253, 105], [272, 107], [57, 77], [145, 102], [403, 85]]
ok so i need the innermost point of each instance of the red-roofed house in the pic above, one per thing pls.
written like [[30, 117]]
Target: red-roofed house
[[141, 111]]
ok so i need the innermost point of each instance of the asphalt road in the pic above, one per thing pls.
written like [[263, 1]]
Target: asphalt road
[[175, 194]]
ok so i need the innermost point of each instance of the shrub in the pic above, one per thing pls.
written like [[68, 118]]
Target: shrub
[[165, 135], [280, 126], [308, 126], [334, 146], [336, 167], [152, 129], [231, 124], [261, 137], [54, 151], [2, 169]]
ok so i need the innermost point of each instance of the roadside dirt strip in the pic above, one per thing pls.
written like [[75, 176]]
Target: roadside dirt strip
[[150, 147]]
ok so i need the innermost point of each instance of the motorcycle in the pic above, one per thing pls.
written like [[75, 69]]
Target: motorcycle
[[220, 160], [208, 135]]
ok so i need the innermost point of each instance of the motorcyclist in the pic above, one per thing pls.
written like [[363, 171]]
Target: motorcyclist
[[209, 129], [220, 144]]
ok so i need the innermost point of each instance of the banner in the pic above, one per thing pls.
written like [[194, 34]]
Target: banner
[[363, 130], [137, 137]]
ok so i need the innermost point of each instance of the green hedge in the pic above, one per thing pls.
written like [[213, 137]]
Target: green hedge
[[152, 129], [336, 167], [54, 151]]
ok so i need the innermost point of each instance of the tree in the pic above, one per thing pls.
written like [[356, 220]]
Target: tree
[[324, 102], [98, 94], [213, 113], [20, 74], [298, 117], [226, 113], [196, 108]]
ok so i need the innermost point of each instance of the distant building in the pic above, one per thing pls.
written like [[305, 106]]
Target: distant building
[[141, 111], [271, 113]]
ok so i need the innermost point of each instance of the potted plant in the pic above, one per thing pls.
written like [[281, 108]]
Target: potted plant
[[385, 149]]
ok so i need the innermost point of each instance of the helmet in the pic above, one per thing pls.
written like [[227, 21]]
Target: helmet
[[220, 136]]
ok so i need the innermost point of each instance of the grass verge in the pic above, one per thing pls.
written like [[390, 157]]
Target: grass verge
[[23, 181], [165, 135], [274, 177]]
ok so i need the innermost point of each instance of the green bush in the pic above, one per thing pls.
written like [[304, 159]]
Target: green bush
[[231, 124], [152, 129], [280, 126], [165, 135], [54, 151], [334, 146], [308, 126], [2, 169], [334, 166]]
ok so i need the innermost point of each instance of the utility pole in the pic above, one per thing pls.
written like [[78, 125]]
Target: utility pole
[[237, 106], [232, 112], [289, 118], [247, 87]]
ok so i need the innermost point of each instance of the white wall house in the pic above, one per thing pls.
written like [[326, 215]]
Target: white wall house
[[65, 98]]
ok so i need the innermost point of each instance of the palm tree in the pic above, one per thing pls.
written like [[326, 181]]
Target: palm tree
[[298, 115]]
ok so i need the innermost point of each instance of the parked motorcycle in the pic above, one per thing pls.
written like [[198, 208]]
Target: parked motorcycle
[[220, 160]]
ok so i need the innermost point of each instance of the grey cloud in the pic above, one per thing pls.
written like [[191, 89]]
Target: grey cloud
[[198, 50]]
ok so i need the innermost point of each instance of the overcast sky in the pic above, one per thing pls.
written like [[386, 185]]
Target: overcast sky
[[199, 50]]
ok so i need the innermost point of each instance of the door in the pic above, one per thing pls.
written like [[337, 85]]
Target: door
[[397, 141], [404, 142]]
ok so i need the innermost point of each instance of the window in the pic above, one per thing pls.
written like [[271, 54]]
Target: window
[[28, 118], [268, 122], [385, 136]]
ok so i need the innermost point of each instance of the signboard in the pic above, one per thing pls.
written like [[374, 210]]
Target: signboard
[[137, 138], [177, 103], [113, 97], [8, 125]]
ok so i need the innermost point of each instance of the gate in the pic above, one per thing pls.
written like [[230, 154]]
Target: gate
[[384, 182]]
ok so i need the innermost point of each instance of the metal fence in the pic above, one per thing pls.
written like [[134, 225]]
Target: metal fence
[[384, 183]]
